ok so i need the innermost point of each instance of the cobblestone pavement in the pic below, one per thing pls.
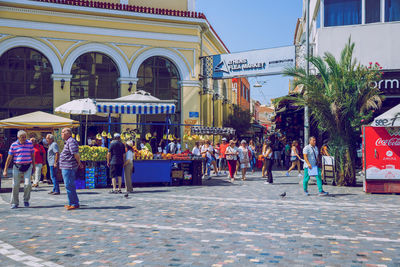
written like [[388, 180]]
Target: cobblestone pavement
[[218, 224]]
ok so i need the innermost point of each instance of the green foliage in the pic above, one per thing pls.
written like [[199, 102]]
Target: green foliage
[[341, 99], [240, 120]]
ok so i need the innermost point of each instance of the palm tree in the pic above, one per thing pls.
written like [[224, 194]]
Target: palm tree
[[341, 98]]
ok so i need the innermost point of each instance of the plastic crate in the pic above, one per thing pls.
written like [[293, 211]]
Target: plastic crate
[[80, 184]]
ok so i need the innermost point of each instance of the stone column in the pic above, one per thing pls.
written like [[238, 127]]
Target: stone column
[[191, 101], [128, 86], [61, 90]]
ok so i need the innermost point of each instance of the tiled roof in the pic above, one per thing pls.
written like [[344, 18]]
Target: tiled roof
[[137, 9]]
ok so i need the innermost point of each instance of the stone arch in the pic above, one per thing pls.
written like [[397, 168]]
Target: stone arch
[[100, 48], [34, 44], [180, 64]]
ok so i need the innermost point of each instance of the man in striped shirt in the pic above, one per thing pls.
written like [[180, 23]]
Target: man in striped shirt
[[21, 152], [69, 164]]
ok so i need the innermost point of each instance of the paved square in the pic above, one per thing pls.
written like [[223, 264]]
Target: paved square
[[218, 224]]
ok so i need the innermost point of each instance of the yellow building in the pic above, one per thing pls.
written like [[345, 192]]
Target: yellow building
[[53, 51]]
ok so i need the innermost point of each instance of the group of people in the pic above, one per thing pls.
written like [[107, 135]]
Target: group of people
[[226, 155], [28, 157], [312, 162]]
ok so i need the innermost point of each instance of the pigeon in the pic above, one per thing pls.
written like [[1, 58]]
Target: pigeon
[[283, 194], [126, 195]]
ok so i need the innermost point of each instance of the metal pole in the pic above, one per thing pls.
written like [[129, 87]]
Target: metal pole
[[306, 116], [86, 131]]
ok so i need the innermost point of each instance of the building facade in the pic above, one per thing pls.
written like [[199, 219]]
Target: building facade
[[54, 51], [374, 27], [242, 88]]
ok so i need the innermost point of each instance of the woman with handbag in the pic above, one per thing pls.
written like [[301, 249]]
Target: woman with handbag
[[40, 160], [268, 159], [244, 157], [231, 154]]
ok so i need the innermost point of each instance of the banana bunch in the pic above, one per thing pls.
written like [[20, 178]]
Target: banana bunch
[[145, 154], [88, 153]]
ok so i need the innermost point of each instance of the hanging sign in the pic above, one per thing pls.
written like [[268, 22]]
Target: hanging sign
[[263, 62]]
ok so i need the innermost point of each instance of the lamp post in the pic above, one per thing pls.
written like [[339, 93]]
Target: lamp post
[[306, 112]]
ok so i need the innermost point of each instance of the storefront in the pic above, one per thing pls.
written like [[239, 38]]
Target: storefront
[[52, 52]]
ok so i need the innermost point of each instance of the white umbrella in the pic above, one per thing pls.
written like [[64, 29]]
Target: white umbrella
[[85, 106]]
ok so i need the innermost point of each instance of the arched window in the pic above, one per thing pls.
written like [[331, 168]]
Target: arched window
[[25, 86], [25, 81], [95, 75], [160, 77]]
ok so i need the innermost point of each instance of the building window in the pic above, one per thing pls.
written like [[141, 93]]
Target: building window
[[372, 11], [25, 81], [392, 10], [94, 75], [160, 77], [342, 12]]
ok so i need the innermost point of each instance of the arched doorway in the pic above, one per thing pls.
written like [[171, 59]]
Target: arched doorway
[[95, 75], [160, 77], [25, 86]]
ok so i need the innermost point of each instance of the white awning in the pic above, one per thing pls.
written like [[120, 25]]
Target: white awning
[[390, 118]]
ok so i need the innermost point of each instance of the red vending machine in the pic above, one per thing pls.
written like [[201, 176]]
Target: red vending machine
[[381, 159]]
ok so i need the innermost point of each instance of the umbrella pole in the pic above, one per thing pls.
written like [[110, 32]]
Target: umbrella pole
[[109, 128], [86, 130]]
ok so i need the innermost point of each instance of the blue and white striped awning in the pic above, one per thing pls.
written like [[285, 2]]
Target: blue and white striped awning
[[133, 108]]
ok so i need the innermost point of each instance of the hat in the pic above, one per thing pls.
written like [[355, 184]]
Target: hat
[[224, 139], [117, 135], [129, 143], [243, 142]]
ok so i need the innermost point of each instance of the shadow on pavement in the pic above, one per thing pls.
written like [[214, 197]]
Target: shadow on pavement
[[87, 193], [150, 191], [107, 208], [46, 207]]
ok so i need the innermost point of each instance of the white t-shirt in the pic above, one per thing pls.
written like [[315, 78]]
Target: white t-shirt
[[129, 155], [196, 151], [207, 149]]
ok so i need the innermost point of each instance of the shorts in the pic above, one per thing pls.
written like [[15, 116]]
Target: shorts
[[293, 158], [116, 170]]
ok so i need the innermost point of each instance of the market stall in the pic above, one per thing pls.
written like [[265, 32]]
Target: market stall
[[149, 168], [381, 153]]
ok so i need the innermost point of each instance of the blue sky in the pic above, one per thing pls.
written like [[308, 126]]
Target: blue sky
[[255, 24]]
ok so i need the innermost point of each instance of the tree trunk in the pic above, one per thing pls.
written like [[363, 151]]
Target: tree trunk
[[347, 173]]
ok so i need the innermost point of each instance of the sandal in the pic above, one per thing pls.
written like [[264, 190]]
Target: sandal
[[112, 192], [118, 192]]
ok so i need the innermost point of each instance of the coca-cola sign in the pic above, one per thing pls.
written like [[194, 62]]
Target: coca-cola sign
[[390, 142]]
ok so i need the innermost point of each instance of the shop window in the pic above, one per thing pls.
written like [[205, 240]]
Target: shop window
[[372, 11], [342, 12], [392, 10]]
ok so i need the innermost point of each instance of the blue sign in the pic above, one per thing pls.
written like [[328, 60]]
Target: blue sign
[[254, 63], [193, 114]]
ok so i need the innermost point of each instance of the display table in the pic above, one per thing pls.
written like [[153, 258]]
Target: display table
[[152, 171], [162, 171]]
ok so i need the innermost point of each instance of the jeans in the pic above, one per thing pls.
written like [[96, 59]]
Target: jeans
[[17, 175], [208, 166], [53, 176], [69, 176], [253, 163], [307, 178]]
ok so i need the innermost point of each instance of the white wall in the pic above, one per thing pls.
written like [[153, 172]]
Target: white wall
[[378, 42]]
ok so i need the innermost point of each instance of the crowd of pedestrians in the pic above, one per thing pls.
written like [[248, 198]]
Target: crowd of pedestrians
[[29, 157]]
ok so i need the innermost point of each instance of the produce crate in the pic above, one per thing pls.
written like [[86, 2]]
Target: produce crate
[[177, 174]]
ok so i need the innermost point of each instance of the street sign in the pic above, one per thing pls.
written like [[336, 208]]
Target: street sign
[[262, 62]]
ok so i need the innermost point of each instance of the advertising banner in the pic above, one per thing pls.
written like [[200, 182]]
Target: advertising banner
[[382, 153], [254, 63]]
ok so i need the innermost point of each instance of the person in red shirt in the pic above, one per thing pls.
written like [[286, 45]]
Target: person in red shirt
[[222, 158], [40, 160]]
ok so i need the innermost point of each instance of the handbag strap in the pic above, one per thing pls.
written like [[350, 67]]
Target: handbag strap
[[315, 155]]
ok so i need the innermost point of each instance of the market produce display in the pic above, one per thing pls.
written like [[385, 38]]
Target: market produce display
[[94, 153]]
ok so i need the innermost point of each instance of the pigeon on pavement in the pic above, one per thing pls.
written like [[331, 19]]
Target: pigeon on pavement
[[283, 194]]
